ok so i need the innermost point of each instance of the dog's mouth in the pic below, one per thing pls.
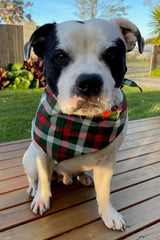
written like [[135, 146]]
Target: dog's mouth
[[89, 106]]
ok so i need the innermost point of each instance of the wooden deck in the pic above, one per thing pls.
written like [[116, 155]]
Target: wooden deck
[[73, 215]]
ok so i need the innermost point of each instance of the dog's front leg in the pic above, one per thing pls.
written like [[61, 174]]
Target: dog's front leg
[[102, 173], [41, 201]]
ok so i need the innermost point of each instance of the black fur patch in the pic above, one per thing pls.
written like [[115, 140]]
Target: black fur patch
[[52, 64], [115, 58]]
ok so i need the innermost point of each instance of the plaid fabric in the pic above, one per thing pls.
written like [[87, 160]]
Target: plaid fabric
[[64, 136]]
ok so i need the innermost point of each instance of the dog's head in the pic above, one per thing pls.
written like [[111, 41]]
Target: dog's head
[[85, 62]]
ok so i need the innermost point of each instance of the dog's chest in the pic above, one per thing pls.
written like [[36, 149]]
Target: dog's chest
[[64, 136]]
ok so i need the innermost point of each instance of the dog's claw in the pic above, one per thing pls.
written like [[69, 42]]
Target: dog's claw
[[113, 220], [31, 191], [85, 179], [40, 205]]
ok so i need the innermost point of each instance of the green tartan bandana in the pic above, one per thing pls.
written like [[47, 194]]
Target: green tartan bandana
[[64, 136]]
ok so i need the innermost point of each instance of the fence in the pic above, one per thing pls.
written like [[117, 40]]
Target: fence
[[155, 63], [12, 40]]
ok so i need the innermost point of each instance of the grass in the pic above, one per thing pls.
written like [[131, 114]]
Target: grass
[[138, 63], [142, 74], [142, 105], [18, 107]]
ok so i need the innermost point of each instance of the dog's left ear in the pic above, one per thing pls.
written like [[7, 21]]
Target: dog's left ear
[[37, 41], [131, 34]]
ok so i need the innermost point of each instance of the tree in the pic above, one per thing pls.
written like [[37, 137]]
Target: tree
[[100, 8], [155, 23], [151, 3], [12, 11]]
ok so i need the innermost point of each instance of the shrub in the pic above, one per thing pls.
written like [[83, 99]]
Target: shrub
[[27, 75], [19, 77], [4, 82], [156, 72], [35, 65]]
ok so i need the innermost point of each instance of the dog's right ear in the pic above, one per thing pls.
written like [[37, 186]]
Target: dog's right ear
[[37, 41]]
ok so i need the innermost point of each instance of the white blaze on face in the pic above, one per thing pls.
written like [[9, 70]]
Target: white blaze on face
[[85, 43]]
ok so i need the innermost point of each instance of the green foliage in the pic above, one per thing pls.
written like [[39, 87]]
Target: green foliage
[[19, 77], [155, 24], [156, 72], [149, 40], [35, 66], [24, 76]]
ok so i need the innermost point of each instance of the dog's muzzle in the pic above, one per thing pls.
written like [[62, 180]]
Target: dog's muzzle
[[88, 85]]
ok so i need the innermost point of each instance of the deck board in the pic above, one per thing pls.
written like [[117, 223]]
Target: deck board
[[135, 192]]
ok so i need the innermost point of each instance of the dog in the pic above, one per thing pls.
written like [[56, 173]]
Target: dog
[[84, 66]]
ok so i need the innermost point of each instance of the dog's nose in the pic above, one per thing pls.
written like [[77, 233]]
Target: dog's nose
[[88, 84]]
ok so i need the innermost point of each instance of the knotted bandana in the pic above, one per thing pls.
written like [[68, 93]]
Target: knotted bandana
[[64, 136]]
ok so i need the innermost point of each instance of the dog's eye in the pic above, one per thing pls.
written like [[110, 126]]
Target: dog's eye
[[109, 54], [61, 57]]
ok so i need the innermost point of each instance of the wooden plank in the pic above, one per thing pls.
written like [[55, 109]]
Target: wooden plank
[[4, 49], [11, 44], [78, 216], [142, 135], [15, 146], [120, 167], [138, 142], [13, 154], [14, 198], [150, 233], [13, 184], [157, 118], [76, 196], [11, 173], [12, 47], [18, 197], [118, 181], [143, 128], [138, 162], [146, 122], [135, 177], [10, 163], [139, 151], [22, 197], [135, 189], [10, 169], [136, 218], [14, 142]]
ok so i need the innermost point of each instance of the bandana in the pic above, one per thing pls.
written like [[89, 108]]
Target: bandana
[[64, 136]]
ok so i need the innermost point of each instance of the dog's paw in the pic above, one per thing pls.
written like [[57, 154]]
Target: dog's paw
[[32, 189], [113, 219], [85, 179], [40, 204], [67, 179]]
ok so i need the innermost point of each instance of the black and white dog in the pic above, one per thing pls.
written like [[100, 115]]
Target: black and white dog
[[85, 64]]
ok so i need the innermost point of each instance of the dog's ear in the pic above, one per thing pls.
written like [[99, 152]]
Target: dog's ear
[[37, 41], [131, 34]]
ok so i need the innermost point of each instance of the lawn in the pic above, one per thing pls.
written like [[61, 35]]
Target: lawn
[[18, 107]]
